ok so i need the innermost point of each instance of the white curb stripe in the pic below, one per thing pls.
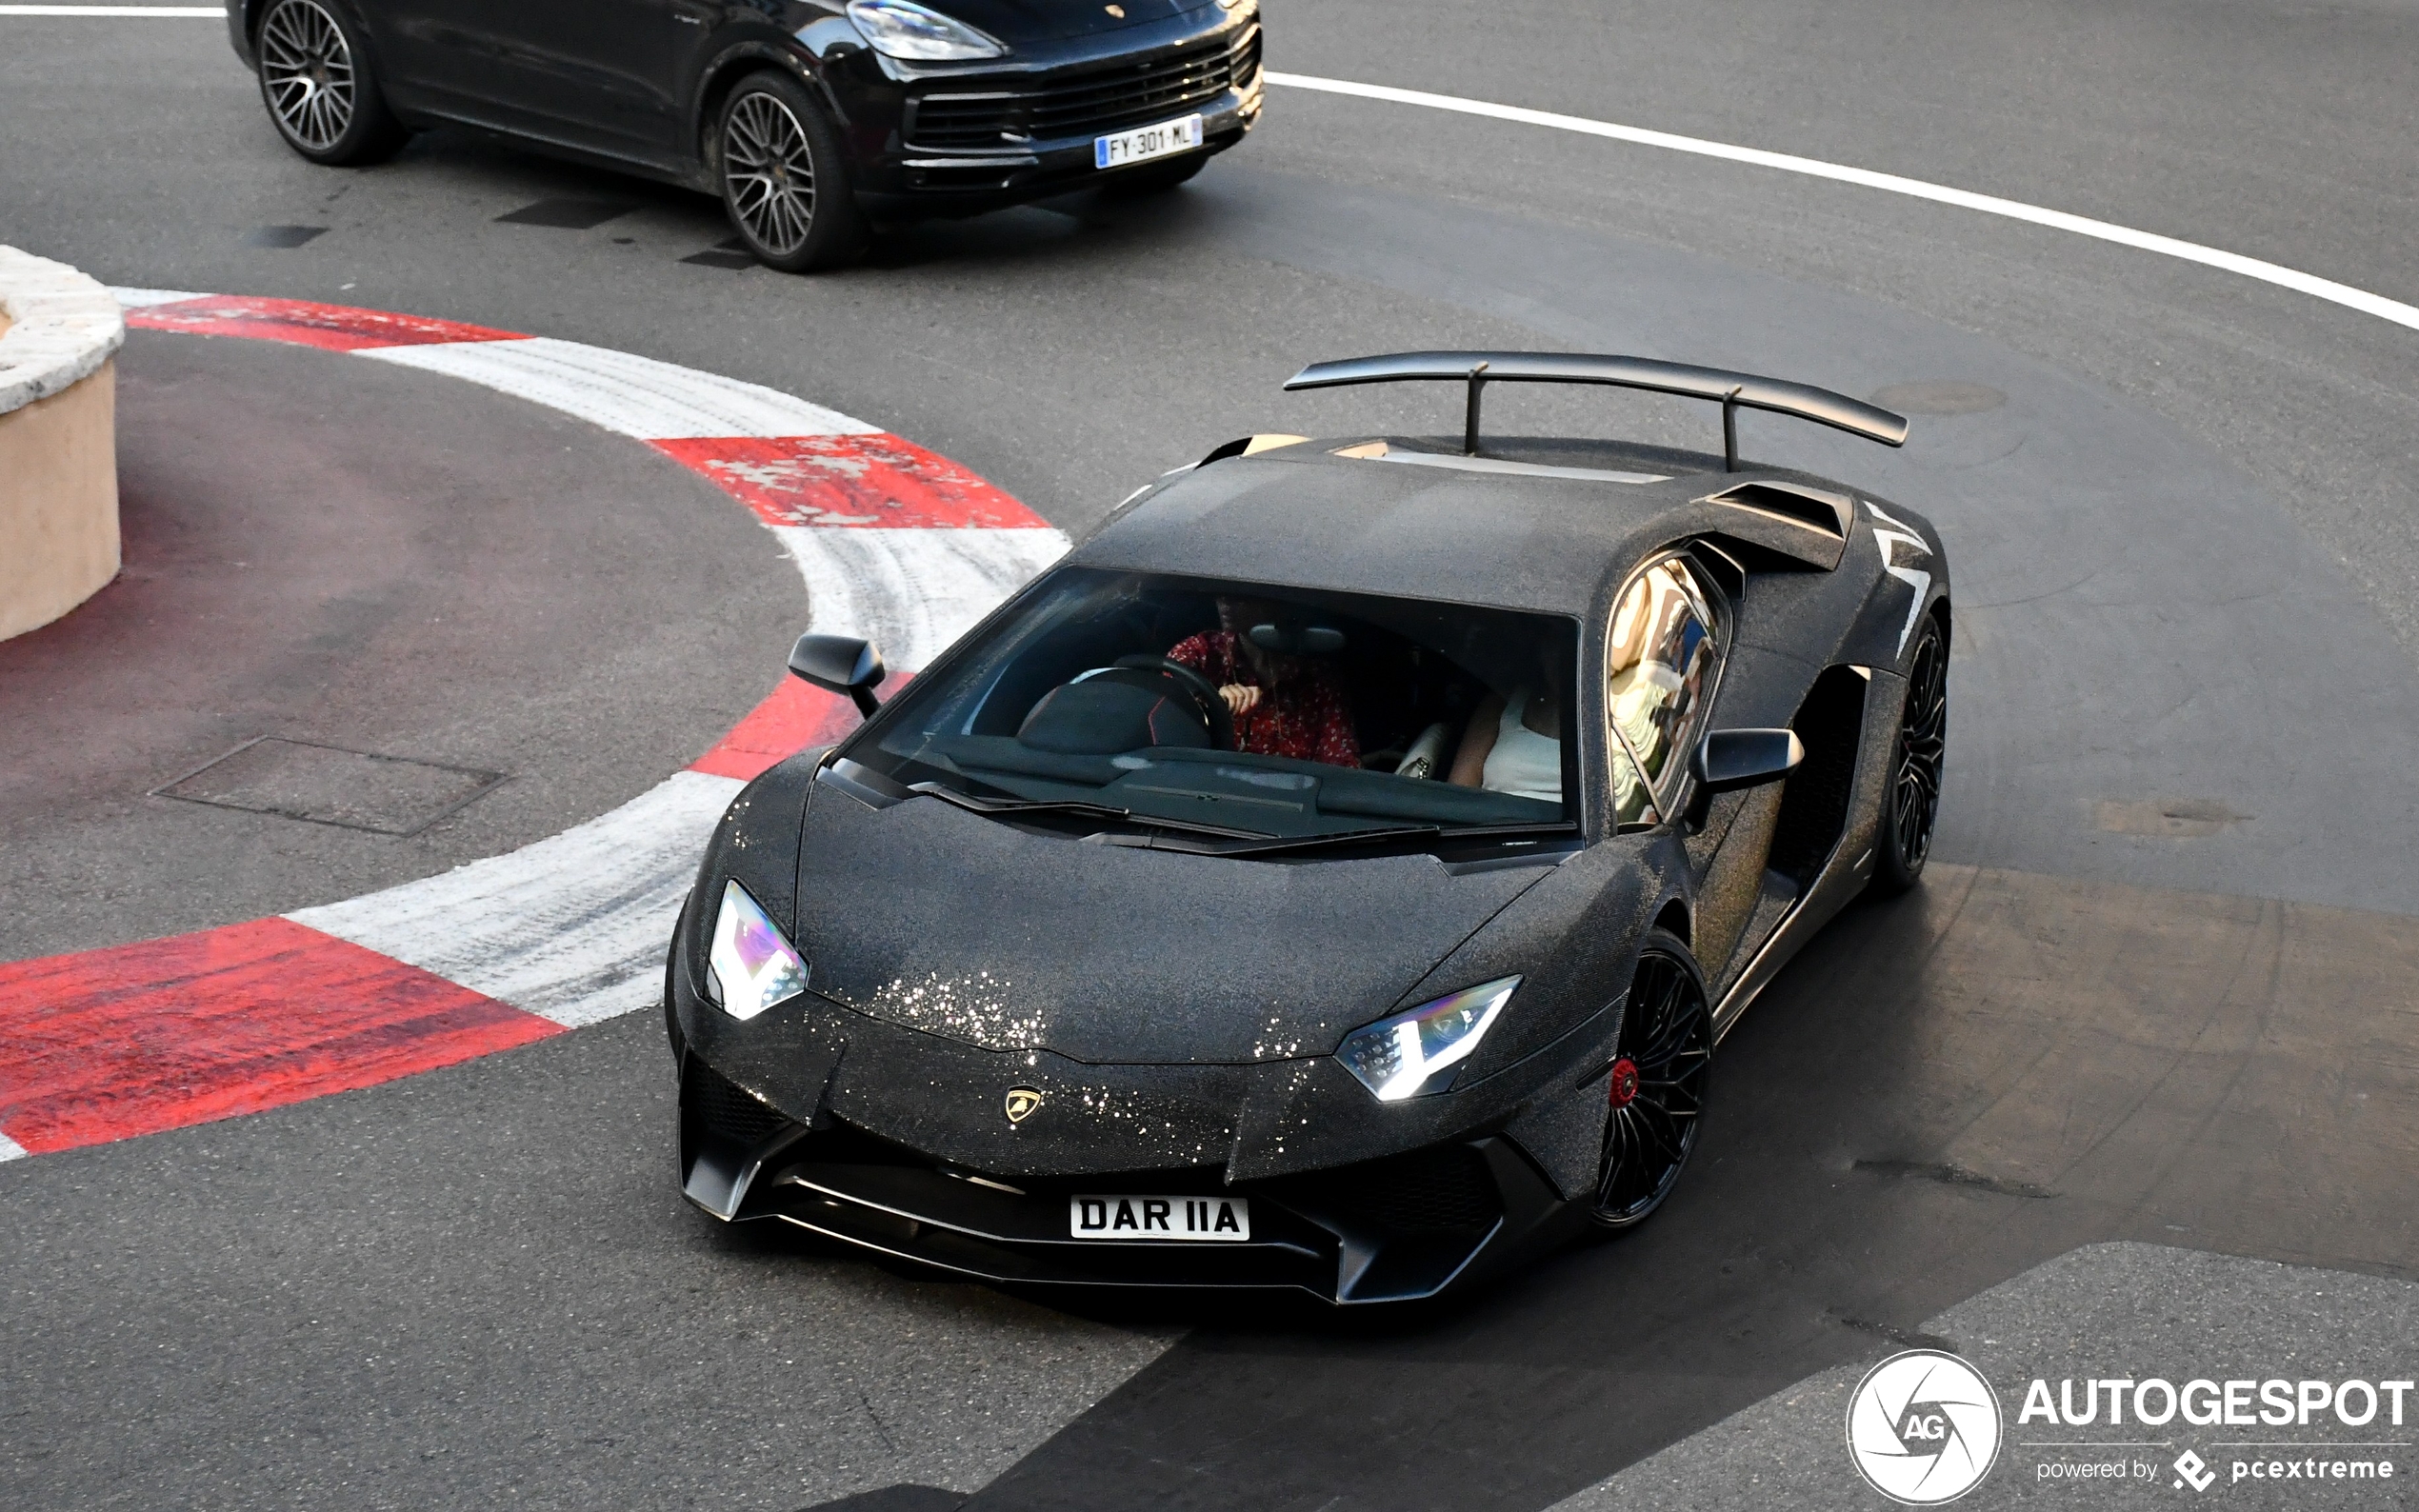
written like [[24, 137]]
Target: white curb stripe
[[10, 1149], [913, 592], [144, 298], [2326, 288], [571, 928], [636, 396]]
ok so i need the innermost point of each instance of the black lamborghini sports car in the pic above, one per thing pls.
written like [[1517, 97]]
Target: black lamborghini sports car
[[1336, 873]]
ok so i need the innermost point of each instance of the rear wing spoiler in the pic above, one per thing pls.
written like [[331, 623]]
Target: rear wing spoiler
[[1733, 390]]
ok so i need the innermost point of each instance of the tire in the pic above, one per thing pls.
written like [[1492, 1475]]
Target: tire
[[322, 93], [1657, 1085], [1911, 806], [1155, 178], [784, 177]]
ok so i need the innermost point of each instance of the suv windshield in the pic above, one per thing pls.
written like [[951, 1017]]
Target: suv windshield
[[1243, 718]]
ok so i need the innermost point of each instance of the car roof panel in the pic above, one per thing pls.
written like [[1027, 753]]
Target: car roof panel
[[1303, 517]]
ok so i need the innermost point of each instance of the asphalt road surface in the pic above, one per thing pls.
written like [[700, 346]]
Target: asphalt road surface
[[2161, 989]]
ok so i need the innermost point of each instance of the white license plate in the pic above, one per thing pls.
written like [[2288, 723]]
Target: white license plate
[[1203, 1220], [1145, 143]]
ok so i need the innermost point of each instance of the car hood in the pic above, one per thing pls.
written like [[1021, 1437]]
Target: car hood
[[1019, 21], [935, 918]]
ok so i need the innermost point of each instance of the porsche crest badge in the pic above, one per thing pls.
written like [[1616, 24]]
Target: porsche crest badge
[[1021, 1102]]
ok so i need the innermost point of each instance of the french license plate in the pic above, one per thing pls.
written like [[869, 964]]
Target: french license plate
[[1203, 1220], [1146, 142]]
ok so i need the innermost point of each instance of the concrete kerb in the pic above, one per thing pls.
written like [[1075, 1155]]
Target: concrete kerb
[[58, 439], [892, 541]]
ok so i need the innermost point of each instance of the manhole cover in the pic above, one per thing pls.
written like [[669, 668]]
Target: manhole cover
[[1940, 396], [328, 785]]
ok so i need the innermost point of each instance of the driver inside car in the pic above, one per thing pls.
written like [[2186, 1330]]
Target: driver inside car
[[1282, 706]]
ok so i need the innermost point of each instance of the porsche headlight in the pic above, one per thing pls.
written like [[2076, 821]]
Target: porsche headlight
[[902, 29], [1417, 1051], [750, 967]]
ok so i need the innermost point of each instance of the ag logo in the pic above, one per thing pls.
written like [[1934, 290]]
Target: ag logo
[[1021, 1102], [1923, 1428]]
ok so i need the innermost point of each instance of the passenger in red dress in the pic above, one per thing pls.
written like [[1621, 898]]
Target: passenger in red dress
[[1282, 706]]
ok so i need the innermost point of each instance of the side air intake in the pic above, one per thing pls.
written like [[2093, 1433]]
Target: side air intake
[[1815, 508]]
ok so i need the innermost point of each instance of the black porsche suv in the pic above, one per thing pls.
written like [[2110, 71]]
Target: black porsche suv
[[809, 118]]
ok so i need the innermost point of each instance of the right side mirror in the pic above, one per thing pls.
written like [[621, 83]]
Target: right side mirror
[[1730, 759], [842, 664]]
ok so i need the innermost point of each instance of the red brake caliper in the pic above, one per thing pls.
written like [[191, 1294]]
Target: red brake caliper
[[1625, 1081]]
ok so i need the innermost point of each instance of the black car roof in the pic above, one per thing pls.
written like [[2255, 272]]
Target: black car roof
[[1529, 536]]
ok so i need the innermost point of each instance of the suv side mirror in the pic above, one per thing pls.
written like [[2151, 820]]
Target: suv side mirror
[[1732, 759], [842, 664]]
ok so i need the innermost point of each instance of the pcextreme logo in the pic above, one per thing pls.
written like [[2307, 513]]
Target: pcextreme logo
[[1923, 1428]]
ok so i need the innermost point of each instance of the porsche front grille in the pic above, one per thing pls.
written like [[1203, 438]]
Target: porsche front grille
[[1085, 104]]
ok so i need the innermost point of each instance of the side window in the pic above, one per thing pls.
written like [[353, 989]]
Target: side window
[[1659, 668], [1632, 804]]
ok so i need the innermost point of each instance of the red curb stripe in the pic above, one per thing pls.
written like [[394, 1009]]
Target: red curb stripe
[[794, 716], [299, 323], [103, 1044], [875, 480]]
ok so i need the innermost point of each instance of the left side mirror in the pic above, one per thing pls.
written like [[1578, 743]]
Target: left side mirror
[[842, 664], [1732, 759]]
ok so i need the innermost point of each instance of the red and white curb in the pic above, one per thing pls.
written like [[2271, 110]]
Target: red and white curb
[[895, 543]]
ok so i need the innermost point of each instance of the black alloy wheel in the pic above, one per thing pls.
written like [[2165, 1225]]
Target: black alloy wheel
[[784, 180], [1657, 1084], [319, 88], [1912, 806]]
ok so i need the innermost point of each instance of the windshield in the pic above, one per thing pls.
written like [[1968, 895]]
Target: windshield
[[1237, 717]]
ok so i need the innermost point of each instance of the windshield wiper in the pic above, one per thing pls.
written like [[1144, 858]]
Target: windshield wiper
[[1077, 809], [1363, 837]]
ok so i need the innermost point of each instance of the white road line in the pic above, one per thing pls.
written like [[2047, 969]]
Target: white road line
[[10, 1149], [2326, 288], [571, 927], [637, 396], [219, 13]]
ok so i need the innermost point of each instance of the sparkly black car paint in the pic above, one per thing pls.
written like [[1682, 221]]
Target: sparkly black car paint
[[1178, 1012], [634, 84]]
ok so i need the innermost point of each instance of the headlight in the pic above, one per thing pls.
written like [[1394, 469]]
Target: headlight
[[1416, 1052], [1232, 4], [750, 967], [902, 29]]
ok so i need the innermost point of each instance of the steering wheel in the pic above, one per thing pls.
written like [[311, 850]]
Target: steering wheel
[[1200, 689]]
